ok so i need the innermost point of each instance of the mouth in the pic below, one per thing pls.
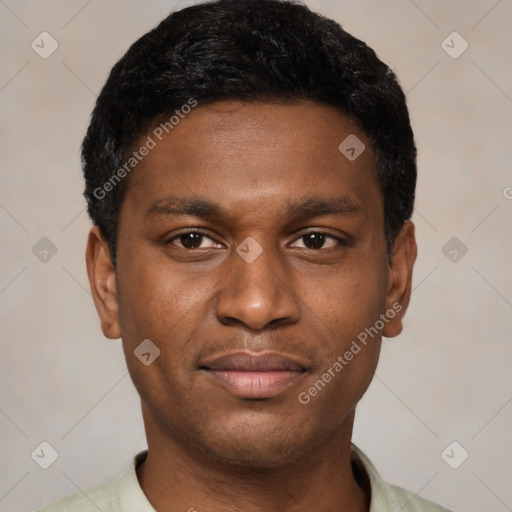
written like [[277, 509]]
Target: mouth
[[254, 375]]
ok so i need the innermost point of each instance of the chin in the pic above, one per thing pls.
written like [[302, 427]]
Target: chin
[[256, 456], [256, 446]]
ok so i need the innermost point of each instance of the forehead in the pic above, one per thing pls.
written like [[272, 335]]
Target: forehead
[[258, 153]]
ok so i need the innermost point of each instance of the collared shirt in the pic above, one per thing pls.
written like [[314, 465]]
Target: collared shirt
[[124, 494]]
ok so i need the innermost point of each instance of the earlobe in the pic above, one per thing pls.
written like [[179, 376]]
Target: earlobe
[[400, 279], [102, 280]]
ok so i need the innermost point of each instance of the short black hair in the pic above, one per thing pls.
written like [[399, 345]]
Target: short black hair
[[247, 50]]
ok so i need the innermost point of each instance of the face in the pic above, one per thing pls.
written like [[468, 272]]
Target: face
[[251, 252]]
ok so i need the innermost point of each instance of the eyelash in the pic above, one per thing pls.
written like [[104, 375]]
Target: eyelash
[[342, 242]]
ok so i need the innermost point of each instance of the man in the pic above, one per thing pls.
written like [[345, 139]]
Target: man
[[250, 172]]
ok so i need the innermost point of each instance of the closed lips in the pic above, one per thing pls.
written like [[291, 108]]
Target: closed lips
[[244, 361], [249, 375]]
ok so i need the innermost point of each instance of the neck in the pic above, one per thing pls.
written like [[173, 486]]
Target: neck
[[176, 477]]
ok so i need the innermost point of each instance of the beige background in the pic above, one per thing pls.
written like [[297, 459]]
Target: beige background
[[446, 378]]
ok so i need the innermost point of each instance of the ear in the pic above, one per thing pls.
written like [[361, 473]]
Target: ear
[[400, 269], [102, 280]]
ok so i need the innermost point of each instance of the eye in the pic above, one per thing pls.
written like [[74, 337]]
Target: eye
[[193, 240], [316, 240]]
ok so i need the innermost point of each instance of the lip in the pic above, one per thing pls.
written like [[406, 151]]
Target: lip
[[255, 375]]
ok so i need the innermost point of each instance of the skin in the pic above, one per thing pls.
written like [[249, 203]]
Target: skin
[[208, 449]]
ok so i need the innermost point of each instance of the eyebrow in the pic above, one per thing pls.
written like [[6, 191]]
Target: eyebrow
[[309, 207]]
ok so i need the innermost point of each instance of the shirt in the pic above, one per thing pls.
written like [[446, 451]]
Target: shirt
[[124, 493]]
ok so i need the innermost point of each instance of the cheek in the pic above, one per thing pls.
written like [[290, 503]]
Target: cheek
[[345, 310], [167, 307], [347, 301], [349, 307], [333, 393], [159, 301]]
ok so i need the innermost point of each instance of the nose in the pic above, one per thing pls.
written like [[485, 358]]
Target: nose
[[258, 294]]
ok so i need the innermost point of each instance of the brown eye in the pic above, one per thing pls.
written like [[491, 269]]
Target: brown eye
[[192, 240], [316, 240]]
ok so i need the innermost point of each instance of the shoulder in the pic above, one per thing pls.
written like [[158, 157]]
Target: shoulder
[[102, 497], [386, 497], [407, 501], [119, 494]]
